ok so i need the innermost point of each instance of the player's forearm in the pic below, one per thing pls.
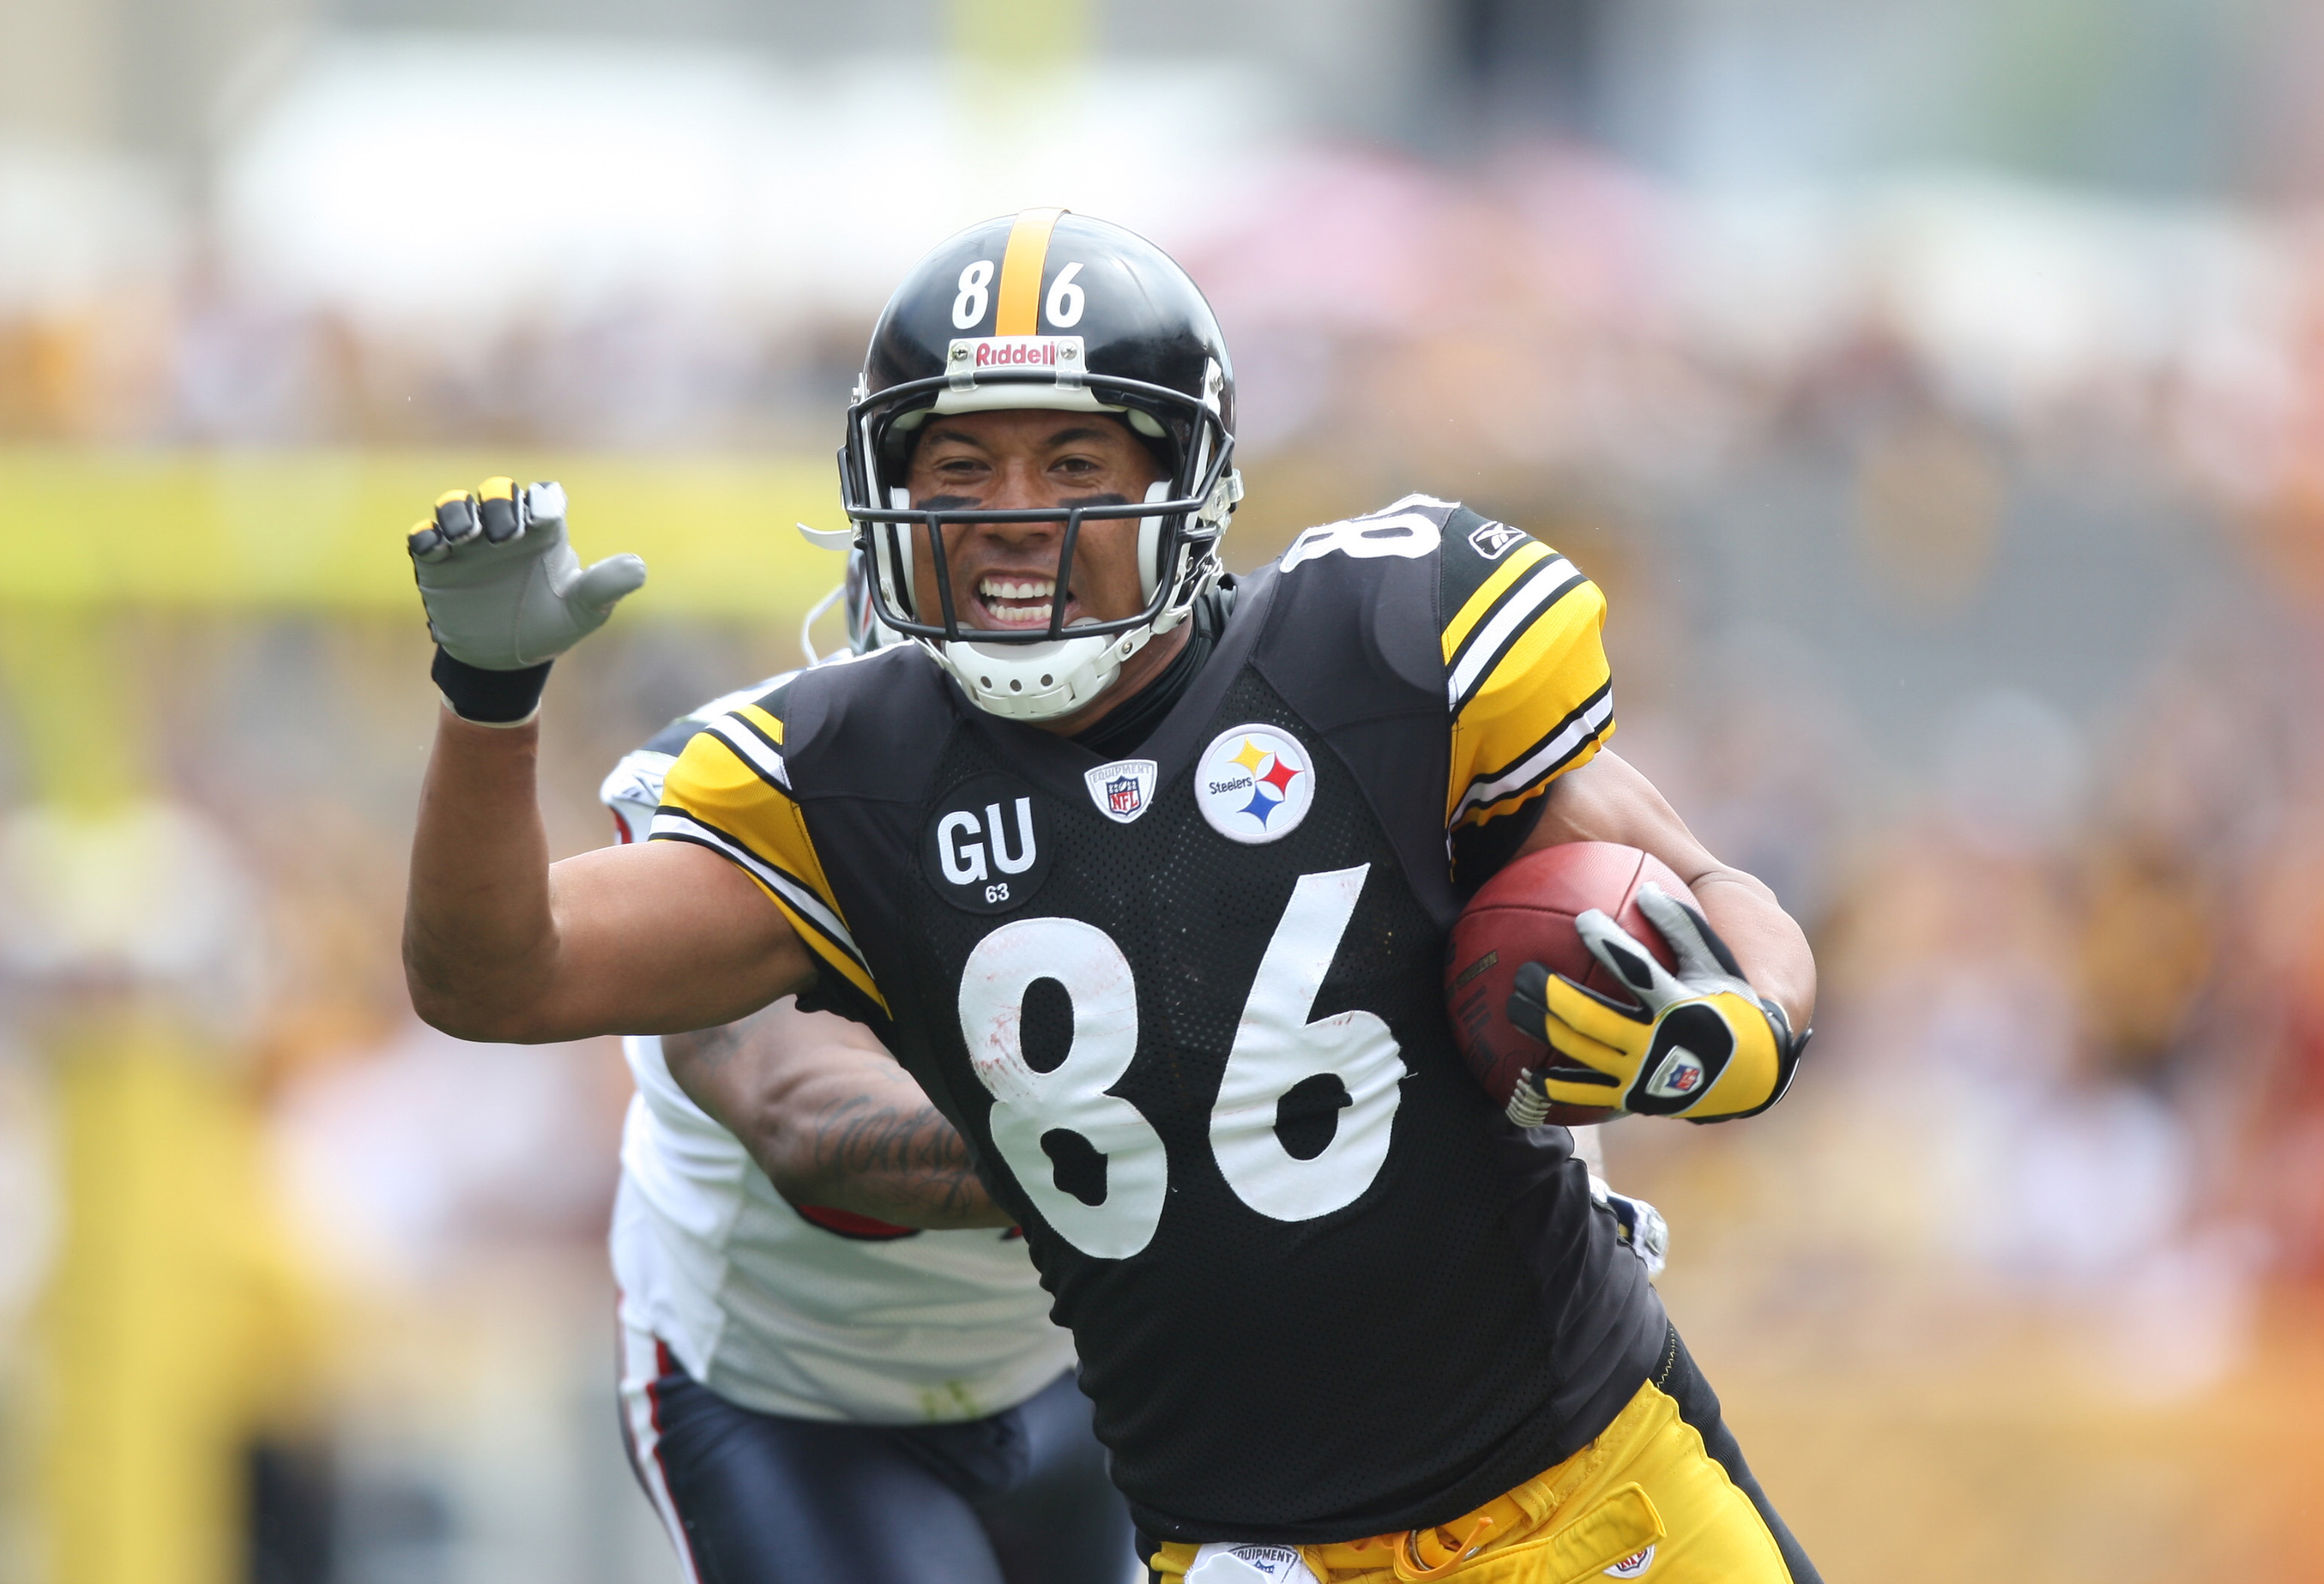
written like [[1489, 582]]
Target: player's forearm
[[479, 933], [1607, 800], [891, 1155], [1768, 944], [830, 1119]]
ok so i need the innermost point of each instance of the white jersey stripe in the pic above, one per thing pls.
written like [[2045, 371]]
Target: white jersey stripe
[[672, 822], [1561, 745], [751, 749], [1543, 581]]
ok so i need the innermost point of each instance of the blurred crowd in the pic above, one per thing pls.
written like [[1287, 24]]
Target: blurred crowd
[[1965, 543]]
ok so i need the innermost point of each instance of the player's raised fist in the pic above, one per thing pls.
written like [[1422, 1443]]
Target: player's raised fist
[[506, 595], [1700, 1042]]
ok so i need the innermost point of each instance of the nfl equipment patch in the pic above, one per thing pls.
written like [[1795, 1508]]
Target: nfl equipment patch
[[1228, 1563], [1123, 789]]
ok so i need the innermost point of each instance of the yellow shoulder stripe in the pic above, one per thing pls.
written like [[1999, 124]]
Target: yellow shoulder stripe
[[1542, 708], [1464, 620], [721, 795], [1557, 660], [762, 721]]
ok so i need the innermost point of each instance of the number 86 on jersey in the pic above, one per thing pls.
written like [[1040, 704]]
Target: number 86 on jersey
[[1093, 1164]]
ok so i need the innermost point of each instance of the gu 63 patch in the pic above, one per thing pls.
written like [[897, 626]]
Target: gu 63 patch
[[987, 844], [1255, 784]]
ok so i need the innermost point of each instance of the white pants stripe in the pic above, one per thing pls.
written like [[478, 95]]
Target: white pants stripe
[[642, 1363]]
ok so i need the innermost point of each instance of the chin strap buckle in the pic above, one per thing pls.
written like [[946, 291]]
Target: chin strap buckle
[[1232, 484], [1224, 495]]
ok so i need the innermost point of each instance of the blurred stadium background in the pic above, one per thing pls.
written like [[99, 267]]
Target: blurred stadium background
[[1938, 389]]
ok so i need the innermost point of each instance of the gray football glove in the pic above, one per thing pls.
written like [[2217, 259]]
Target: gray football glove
[[503, 590]]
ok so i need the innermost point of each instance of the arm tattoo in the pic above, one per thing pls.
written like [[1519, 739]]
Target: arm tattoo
[[879, 1149], [908, 1152]]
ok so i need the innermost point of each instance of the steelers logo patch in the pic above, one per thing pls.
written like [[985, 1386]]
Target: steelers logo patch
[[1255, 784]]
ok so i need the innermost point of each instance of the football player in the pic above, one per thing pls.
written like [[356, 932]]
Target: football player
[[833, 1367], [1143, 875]]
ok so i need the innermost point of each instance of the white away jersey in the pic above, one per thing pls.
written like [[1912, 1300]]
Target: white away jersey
[[813, 1315]]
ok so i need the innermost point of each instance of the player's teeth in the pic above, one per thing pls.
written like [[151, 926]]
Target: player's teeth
[[1000, 588]]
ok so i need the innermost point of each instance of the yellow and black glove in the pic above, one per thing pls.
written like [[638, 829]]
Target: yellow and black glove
[[1701, 1044]]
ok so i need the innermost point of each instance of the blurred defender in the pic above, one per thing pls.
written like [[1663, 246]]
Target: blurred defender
[[841, 1366], [1143, 876], [838, 1362]]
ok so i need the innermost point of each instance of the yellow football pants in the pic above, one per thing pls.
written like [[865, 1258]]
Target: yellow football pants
[[1643, 1501]]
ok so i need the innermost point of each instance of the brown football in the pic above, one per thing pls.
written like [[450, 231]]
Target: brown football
[[1525, 914]]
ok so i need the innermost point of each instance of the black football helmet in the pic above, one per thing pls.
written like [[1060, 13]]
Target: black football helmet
[[1045, 309]]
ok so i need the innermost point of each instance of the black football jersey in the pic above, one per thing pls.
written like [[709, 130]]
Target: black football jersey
[[1186, 1008]]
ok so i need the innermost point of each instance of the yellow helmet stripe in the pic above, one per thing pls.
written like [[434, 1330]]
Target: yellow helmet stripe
[[1018, 312]]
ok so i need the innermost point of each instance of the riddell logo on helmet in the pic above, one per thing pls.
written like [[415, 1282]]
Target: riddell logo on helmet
[[1000, 352]]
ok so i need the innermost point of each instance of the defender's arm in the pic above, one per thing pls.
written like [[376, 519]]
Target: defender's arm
[[830, 1119]]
